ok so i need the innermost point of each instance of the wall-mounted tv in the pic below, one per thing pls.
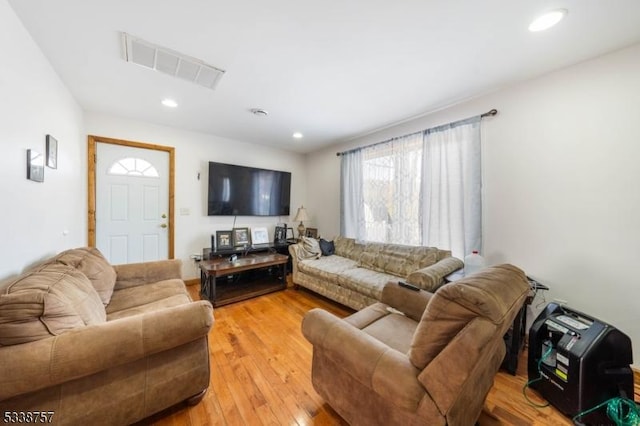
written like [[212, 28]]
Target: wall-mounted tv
[[247, 191]]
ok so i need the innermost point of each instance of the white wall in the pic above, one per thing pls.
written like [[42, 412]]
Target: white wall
[[193, 153], [561, 173], [41, 219], [34, 216]]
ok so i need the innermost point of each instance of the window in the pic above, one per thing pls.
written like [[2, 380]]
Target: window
[[419, 189], [391, 190], [133, 167]]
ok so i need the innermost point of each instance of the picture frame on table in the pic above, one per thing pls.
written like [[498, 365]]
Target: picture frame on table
[[52, 152], [241, 237], [224, 240], [311, 233], [259, 236], [280, 234]]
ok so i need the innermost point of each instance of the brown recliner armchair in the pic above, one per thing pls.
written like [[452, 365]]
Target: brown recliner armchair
[[417, 357]]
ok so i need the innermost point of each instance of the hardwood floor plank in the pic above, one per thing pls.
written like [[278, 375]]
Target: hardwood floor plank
[[273, 400], [278, 379], [261, 372], [241, 399], [293, 368], [219, 388], [243, 403], [275, 349], [267, 416], [209, 414]]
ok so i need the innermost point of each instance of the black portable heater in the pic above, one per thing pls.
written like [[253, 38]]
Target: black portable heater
[[581, 362]]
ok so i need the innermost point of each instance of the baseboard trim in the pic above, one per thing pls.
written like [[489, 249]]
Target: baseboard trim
[[192, 281]]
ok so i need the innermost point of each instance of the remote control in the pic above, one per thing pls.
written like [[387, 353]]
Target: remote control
[[409, 286]]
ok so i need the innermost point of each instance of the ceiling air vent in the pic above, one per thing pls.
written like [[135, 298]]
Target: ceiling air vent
[[170, 62]]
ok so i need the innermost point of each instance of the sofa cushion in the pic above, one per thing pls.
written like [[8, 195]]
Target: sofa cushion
[[343, 245], [327, 267], [394, 330], [47, 301], [365, 281], [147, 298], [397, 259], [93, 264], [348, 247], [492, 295]]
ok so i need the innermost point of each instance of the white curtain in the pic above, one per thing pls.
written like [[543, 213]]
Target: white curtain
[[419, 189], [452, 200], [391, 190], [351, 198]]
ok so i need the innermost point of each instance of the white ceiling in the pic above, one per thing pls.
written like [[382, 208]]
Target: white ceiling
[[331, 69]]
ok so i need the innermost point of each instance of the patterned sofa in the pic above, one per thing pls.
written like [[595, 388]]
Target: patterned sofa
[[356, 274]]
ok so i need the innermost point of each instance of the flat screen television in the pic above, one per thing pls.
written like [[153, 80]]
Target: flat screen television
[[248, 191]]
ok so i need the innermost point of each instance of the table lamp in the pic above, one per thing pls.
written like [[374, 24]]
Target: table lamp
[[301, 216]]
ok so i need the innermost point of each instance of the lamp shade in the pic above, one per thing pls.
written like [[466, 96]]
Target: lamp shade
[[301, 215]]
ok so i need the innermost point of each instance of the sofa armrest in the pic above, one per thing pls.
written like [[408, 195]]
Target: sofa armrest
[[411, 303], [293, 251], [135, 274], [384, 370], [432, 277], [473, 356], [85, 351]]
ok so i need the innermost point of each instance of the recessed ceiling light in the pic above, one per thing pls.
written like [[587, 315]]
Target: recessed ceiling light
[[169, 103], [548, 20], [297, 135]]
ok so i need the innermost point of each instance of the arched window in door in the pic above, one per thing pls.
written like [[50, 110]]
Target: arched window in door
[[133, 167]]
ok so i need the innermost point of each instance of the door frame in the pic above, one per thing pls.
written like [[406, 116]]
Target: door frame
[[91, 200]]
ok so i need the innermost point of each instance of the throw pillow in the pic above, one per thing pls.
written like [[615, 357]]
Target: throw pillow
[[95, 266], [327, 247], [47, 301], [309, 249]]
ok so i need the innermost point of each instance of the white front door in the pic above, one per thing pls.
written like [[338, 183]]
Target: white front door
[[132, 203]]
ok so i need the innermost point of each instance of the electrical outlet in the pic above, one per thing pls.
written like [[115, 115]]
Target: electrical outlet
[[196, 257]]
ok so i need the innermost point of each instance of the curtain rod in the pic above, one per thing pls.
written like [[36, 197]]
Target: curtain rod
[[489, 113]]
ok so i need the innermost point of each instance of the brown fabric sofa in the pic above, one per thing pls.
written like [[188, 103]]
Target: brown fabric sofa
[[92, 343], [417, 358], [356, 274]]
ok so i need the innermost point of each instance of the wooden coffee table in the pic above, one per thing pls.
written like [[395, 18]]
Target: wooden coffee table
[[233, 288]]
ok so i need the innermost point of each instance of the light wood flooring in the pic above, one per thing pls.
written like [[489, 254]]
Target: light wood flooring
[[261, 372]]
